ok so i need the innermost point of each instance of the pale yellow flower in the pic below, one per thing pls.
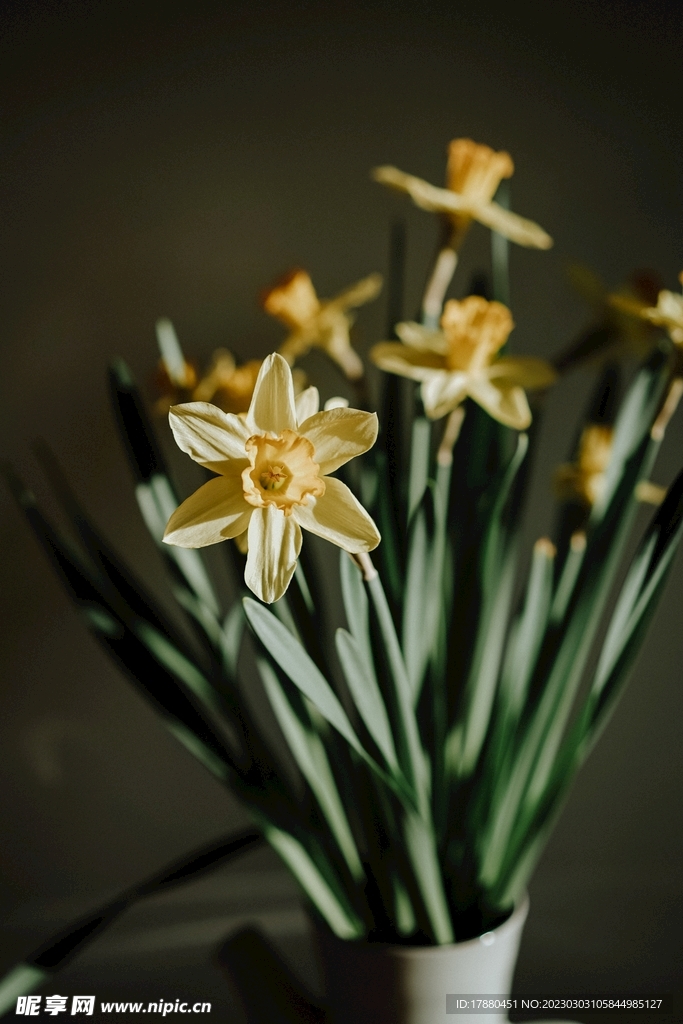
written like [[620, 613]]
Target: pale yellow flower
[[459, 362], [273, 467], [321, 323], [227, 385], [585, 478], [668, 313], [473, 174]]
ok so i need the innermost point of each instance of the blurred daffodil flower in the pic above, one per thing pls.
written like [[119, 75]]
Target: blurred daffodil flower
[[459, 361], [224, 384], [321, 323], [668, 312], [584, 480], [273, 467], [615, 332], [473, 175]]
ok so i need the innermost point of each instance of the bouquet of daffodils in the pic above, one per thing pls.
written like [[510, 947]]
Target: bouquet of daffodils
[[426, 744]]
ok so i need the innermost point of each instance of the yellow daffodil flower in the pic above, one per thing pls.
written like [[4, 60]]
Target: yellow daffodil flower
[[273, 465], [585, 479], [473, 174], [459, 362], [614, 333], [668, 313], [225, 384], [323, 323]]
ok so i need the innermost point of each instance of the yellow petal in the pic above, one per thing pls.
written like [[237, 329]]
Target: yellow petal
[[443, 392], [296, 345], [336, 403], [359, 293], [337, 344], [216, 512], [210, 436], [274, 542], [635, 307], [307, 404], [442, 200], [242, 542], [508, 405], [511, 225], [407, 362], [272, 406], [340, 518], [292, 299], [427, 197], [422, 338], [339, 435], [525, 371]]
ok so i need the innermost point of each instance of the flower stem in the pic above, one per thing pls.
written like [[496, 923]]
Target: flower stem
[[437, 286]]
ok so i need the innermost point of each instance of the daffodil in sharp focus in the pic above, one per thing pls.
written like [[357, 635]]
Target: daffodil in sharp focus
[[273, 465], [459, 361]]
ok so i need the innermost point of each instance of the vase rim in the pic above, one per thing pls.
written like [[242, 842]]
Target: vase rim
[[513, 923]]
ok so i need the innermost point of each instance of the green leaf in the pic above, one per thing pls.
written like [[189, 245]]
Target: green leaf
[[497, 570], [421, 849], [157, 502], [167, 654], [291, 657], [231, 637], [419, 462], [309, 754], [355, 603], [411, 753], [415, 633], [364, 689], [500, 248], [20, 981], [632, 424], [341, 919]]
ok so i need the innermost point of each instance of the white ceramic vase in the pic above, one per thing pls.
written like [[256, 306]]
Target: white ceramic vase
[[374, 983]]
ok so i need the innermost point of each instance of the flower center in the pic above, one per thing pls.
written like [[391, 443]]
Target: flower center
[[281, 471], [475, 331], [273, 478]]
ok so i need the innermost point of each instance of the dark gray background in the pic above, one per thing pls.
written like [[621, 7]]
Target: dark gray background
[[172, 160]]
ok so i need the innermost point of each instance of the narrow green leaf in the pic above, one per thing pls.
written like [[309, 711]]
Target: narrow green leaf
[[523, 651], [421, 848], [411, 751], [500, 248], [355, 603], [157, 502], [309, 754], [291, 657], [195, 746], [364, 689], [168, 654], [404, 915], [632, 424], [295, 663], [20, 981], [231, 637], [419, 462], [415, 634], [343, 922]]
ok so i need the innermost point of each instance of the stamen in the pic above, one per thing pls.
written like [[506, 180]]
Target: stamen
[[273, 478]]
